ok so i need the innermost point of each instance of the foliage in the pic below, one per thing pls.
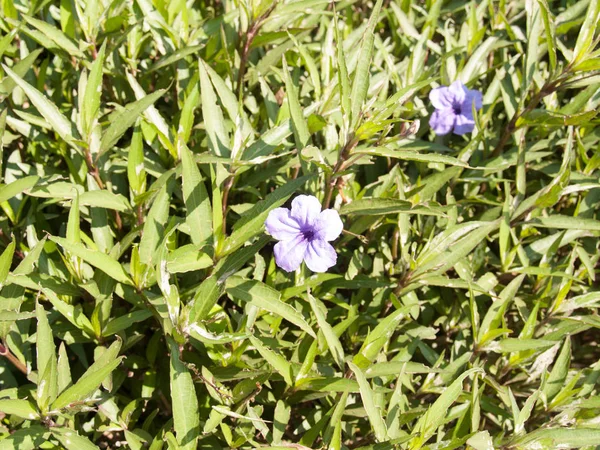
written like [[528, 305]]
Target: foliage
[[144, 143]]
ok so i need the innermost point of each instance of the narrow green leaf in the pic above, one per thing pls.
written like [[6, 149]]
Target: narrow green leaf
[[510, 345], [47, 388], [436, 414], [72, 440], [122, 120], [63, 369], [123, 322], [155, 222], [278, 362], [91, 379], [381, 206], [408, 155], [97, 259], [197, 202], [6, 260], [21, 408], [218, 140], [360, 82], [30, 438], [186, 416], [335, 347], [587, 32], [54, 34], [299, 125], [267, 298], [17, 187], [47, 109], [494, 314], [373, 412], [559, 373], [93, 91], [21, 68], [561, 222]]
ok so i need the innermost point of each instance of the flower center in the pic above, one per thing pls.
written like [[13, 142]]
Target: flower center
[[456, 108], [308, 234]]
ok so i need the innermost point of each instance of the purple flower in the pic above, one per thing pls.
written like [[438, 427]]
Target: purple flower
[[303, 233], [454, 108]]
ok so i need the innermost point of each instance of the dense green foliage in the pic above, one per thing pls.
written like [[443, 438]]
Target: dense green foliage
[[144, 143]]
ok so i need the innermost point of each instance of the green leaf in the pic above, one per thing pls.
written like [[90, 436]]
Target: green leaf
[[17, 187], [408, 155], [278, 362], [155, 221], [218, 140], [559, 373], [54, 34], [206, 297], [105, 199], [93, 91], [187, 259], [47, 385], [561, 222], [299, 125], [25, 439], [91, 379], [63, 369], [381, 206], [21, 68], [122, 120], [436, 413], [197, 202], [510, 345], [6, 260], [47, 109], [122, 323], [334, 344], [97, 259], [494, 314], [72, 313], [379, 336], [72, 440], [587, 32], [360, 82], [267, 298], [373, 411], [21, 408], [186, 416], [561, 438], [393, 368]]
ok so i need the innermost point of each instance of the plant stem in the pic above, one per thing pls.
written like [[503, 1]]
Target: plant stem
[[250, 35], [333, 180], [4, 351], [548, 88]]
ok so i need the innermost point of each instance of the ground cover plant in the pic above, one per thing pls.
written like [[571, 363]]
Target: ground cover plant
[[428, 172]]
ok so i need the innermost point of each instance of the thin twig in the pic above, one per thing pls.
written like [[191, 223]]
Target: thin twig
[[250, 35], [4, 351]]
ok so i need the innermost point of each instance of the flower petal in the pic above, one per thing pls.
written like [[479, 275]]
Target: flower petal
[[473, 97], [305, 209], [328, 225], [320, 256], [289, 254], [441, 97], [458, 91], [281, 225], [442, 121], [464, 124]]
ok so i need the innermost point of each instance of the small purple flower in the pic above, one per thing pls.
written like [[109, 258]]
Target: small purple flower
[[303, 233], [454, 108]]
